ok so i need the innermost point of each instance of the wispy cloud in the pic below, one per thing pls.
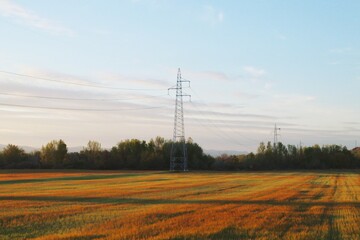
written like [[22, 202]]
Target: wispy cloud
[[224, 115], [21, 15], [254, 72], [48, 74], [352, 123], [335, 63], [291, 99], [212, 15], [22, 86], [100, 31], [341, 50], [207, 75], [246, 95], [136, 81], [281, 37]]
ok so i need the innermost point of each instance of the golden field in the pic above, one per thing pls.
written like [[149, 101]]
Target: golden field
[[193, 205]]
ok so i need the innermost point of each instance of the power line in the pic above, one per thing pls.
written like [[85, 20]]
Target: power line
[[77, 109], [223, 133], [224, 136], [223, 122], [94, 85], [80, 99]]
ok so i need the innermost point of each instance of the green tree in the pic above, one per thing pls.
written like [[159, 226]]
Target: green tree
[[261, 149], [155, 157], [13, 155], [128, 154], [93, 146], [93, 155], [53, 154], [2, 161]]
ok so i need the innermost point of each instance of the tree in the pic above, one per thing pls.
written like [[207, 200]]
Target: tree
[[128, 154], [13, 155], [53, 154], [61, 152], [75, 160], [195, 156], [160, 159], [2, 161], [261, 149], [93, 155], [93, 146], [159, 143]]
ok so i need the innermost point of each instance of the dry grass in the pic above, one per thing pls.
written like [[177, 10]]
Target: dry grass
[[161, 205]]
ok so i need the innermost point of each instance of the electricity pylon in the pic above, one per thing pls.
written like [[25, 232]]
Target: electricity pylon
[[276, 134], [178, 155]]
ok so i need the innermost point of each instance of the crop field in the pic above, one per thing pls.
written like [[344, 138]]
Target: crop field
[[193, 205]]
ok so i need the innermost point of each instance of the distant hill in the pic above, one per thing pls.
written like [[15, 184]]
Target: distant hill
[[31, 149], [75, 149], [217, 153], [26, 148]]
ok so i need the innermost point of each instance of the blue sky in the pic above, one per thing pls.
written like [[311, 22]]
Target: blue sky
[[251, 64]]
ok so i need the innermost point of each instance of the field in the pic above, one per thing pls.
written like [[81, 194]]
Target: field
[[194, 205]]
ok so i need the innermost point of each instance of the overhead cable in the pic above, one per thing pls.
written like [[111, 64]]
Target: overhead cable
[[78, 109], [93, 85], [80, 99]]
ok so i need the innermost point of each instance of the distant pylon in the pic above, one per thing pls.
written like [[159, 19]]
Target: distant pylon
[[276, 134], [178, 155]]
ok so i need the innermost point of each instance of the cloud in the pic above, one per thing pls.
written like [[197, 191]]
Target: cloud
[[212, 15], [281, 37], [245, 95], [101, 32], [207, 75], [335, 63], [341, 50], [22, 90], [102, 82], [23, 16], [292, 99], [136, 81], [212, 113], [351, 123], [220, 16], [254, 72]]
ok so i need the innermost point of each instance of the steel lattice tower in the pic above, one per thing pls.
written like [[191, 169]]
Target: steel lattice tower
[[276, 135], [178, 155]]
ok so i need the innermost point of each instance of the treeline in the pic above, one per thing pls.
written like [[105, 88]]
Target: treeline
[[128, 154], [281, 157], [154, 155]]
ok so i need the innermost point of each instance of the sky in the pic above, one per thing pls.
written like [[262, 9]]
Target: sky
[[100, 70]]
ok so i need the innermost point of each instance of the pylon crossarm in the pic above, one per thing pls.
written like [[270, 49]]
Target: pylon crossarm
[[184, 80]]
